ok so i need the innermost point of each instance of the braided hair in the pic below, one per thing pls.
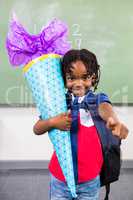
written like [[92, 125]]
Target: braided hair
[[89, 60]]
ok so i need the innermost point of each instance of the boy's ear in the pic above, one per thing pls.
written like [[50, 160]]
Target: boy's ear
[[93, 76], [93, 79]]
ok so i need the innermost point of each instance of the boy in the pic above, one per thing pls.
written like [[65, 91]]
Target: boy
[[81, 73]]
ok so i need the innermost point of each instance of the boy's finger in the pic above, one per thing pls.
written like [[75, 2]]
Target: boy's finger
[[68, 122], [124, 132], [111, 123], [68, 126], [116, 132]]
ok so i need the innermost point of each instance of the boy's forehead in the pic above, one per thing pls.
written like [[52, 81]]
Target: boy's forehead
[[78, 68]]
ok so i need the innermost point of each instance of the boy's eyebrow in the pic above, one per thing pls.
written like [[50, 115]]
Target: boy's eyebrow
[[71, 74]]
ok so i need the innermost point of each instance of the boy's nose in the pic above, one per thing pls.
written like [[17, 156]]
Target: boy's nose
[[78, 83]]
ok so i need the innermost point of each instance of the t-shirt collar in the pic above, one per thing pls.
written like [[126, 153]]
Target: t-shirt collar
[[80, 98]]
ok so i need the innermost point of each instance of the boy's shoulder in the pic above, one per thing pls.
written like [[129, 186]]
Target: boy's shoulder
[[97, 98]]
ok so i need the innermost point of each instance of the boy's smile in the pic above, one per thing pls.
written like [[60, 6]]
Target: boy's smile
[[78, 81]]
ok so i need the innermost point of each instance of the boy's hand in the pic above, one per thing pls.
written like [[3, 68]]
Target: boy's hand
[[118, 128], [62, 121]]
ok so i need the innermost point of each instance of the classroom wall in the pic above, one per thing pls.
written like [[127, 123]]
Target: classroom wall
[[18, 142]]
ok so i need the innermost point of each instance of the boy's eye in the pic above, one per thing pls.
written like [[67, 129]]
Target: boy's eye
[[69, 78], [86, 77]]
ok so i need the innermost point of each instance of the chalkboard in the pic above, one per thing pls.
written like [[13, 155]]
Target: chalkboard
[[104, 27]]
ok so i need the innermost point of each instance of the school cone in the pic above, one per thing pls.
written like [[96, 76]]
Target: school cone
[[39, 56], [45, 80]]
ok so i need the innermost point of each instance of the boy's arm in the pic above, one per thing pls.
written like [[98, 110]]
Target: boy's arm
[[42, 126], [107, 113], [61, 122]]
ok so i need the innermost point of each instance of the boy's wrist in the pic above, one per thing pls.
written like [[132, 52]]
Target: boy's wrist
[[51, 123]]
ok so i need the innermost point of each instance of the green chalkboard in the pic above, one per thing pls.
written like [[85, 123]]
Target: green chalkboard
[[104, 27]]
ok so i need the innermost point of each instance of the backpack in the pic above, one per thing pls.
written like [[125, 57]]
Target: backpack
[[110, 171]]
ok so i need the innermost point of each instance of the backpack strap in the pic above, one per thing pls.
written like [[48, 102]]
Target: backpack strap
[[107, 191], [100, 125]]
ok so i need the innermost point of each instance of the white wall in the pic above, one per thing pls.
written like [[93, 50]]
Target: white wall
[[18, 142]]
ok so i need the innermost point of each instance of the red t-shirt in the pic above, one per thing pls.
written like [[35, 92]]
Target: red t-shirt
[[89, 153]]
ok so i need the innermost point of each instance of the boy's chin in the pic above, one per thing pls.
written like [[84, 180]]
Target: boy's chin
[[79, 93]]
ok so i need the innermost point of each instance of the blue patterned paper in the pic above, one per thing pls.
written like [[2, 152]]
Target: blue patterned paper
[[46, 82]]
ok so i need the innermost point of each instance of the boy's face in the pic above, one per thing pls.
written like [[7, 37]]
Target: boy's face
[[78, 81]]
